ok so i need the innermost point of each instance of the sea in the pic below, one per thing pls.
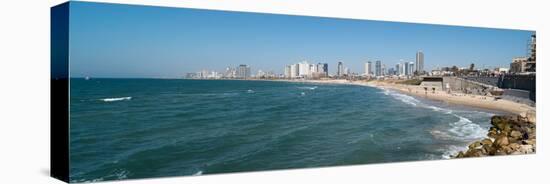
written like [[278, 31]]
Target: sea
[[141, 128]]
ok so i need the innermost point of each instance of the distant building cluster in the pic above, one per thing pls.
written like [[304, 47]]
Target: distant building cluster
[[401, 69], [374, 69], [306, 70], [240, 72]]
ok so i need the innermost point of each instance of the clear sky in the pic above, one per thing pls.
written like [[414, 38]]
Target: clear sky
[[110, 40]]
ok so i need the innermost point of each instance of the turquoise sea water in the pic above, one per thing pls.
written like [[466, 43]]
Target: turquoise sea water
[[138, 128]]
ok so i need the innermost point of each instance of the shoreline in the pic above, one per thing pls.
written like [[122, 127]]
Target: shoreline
[[478, 101]]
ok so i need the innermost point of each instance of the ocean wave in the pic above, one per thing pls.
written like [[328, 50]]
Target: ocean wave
[[404, 98], [462, 130], [116, 99], [249, 91], [198, 173], [466, 129], [451, 150], [308, 87], [439, 109]]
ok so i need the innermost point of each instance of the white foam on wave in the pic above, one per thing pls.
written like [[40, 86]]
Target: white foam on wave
[[116, 99], [404, 98], [451, 150], [198, 173], [466, 129], [386, 92], [308, 87], [250, 91], [439, 109], [463, 130]]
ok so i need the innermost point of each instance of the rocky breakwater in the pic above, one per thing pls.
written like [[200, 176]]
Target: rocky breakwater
[[509, 135]]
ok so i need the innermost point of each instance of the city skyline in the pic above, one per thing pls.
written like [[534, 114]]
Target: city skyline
[[159, 42]]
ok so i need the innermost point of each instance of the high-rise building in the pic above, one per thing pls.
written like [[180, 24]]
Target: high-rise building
[[368, 68], [378, 68], [243, 71], [287, 71], [391, 71], [407, 68], [294, 70], [411, 68], [322, 69], [340, 71], [419, 63], [397, 68], [312, 69], [402, 67], [304, 69]]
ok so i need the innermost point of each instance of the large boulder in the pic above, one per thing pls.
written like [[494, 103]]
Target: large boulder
[[489, 149], [486, 142], [514, 146], [529, 142], [475, 145], [516, 135], [501, 141], [493, 133]]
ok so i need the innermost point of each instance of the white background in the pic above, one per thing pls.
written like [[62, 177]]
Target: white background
[[24, 90]]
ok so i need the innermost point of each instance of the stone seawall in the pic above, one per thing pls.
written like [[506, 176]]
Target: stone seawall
[[465, 86]]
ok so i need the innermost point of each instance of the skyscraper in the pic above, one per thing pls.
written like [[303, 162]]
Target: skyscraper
[[398, 69], [378, 69], [322, 69], [411, 68], [340, 71], [287, 71], [368, 68], [304, 69], [419, 62], [243, 71], [406, 67], [294, 70]]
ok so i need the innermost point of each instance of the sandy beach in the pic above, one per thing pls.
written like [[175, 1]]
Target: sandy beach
[[478, 101]]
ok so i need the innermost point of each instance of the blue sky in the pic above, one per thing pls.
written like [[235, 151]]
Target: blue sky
[[112, 40]]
